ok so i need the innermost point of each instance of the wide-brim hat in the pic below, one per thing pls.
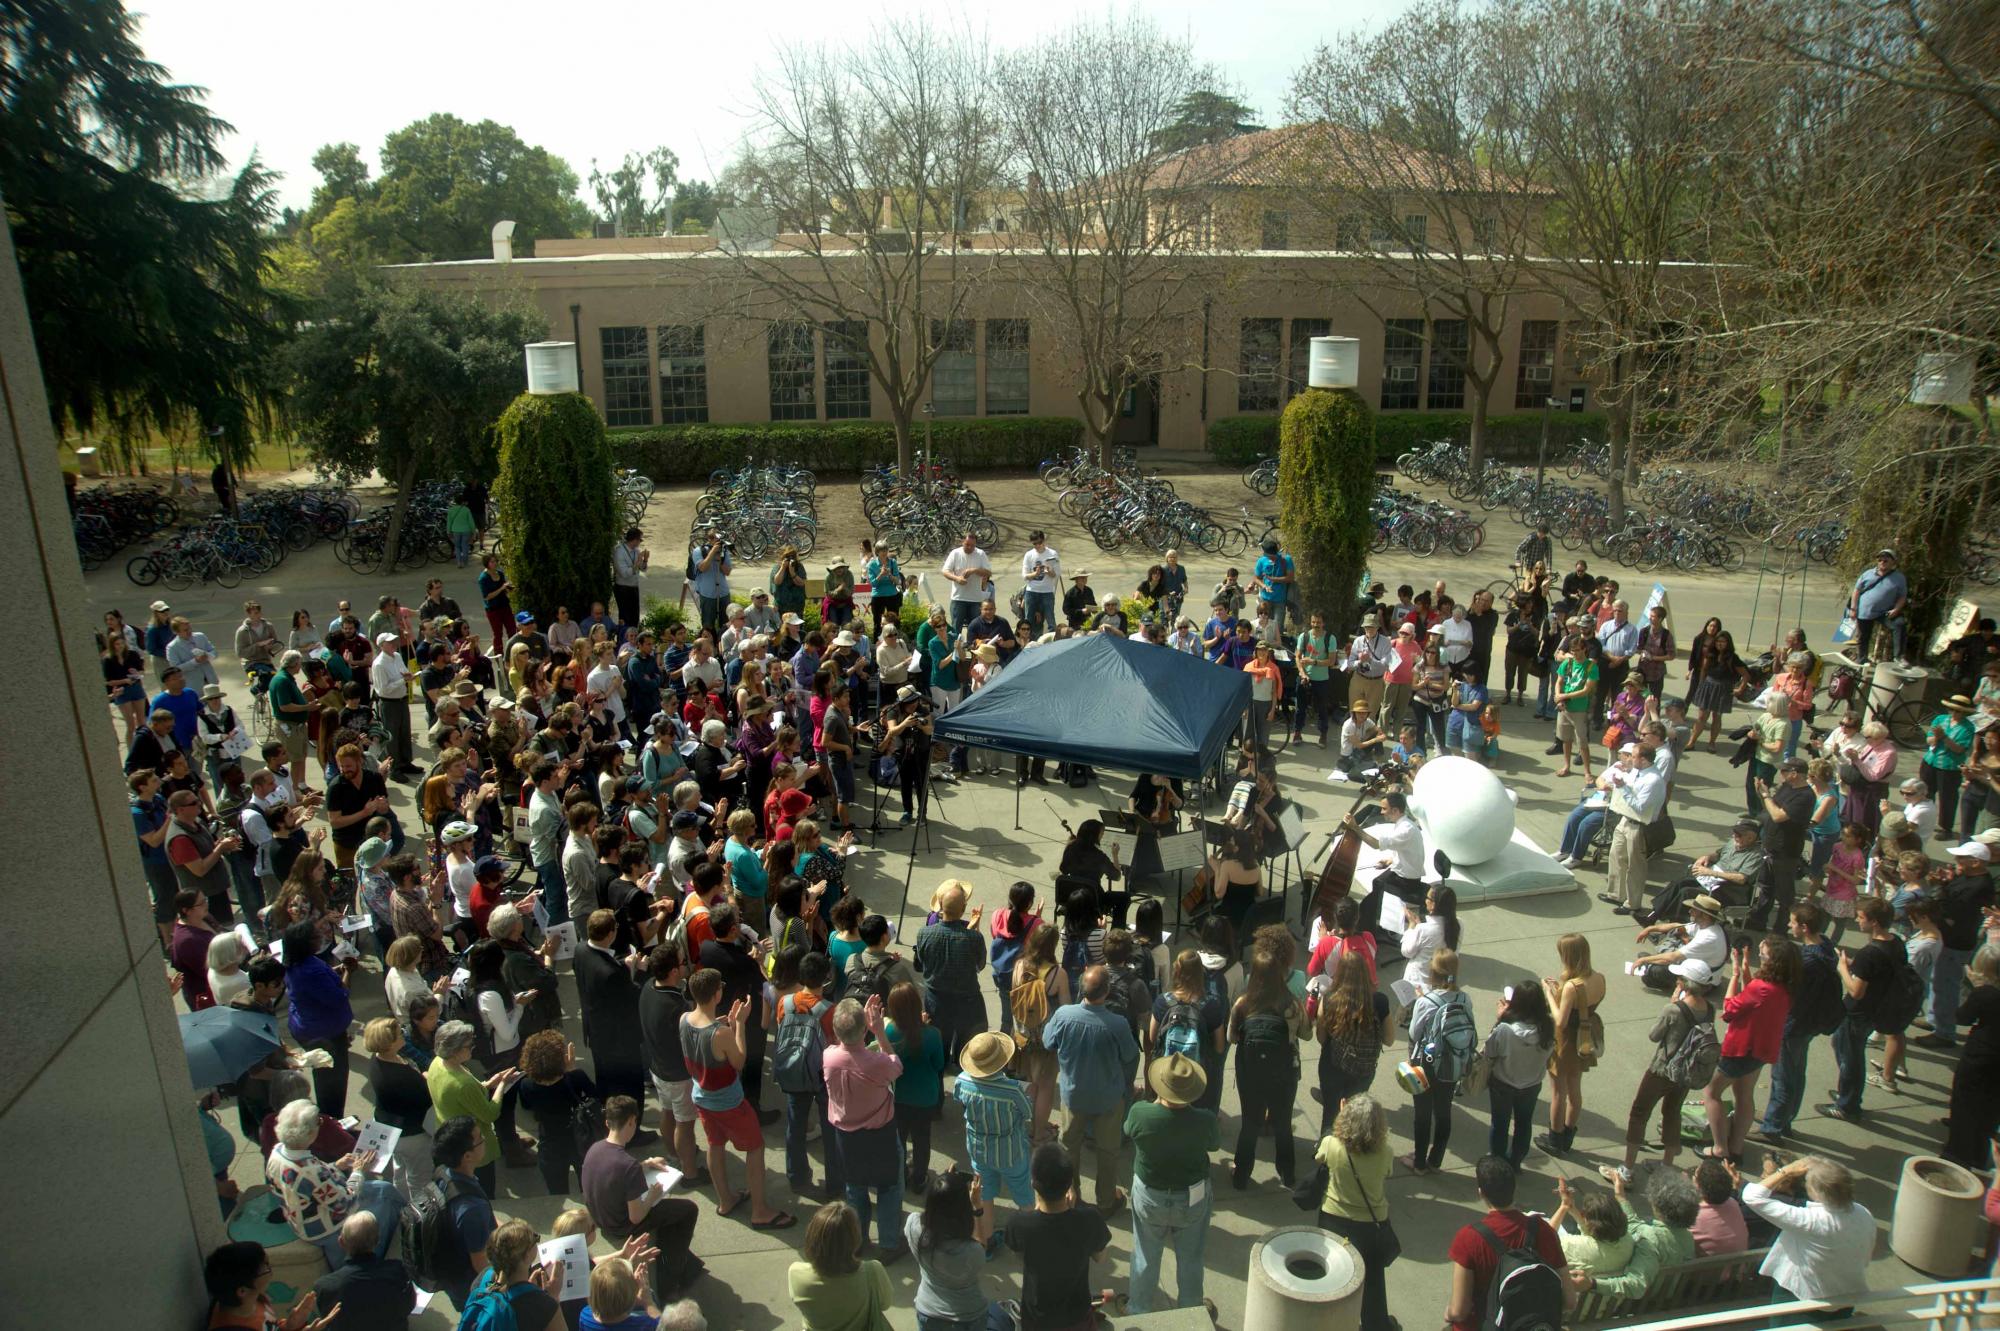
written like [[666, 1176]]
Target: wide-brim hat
[[465, 688], [988, 654], [908, 693], [211, 691], [1706, 904], [1177, 1078], [987, 1053], [845, 639], [1958, 702], [1894, 827], [370, 853]]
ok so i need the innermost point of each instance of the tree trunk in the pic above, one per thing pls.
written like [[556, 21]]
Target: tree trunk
[[1100, 430], [405, 484], [906, 444], [1475, 447], [1619, 427], [1632, 444]]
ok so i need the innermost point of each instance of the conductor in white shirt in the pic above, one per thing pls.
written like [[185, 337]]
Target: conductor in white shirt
[[970, 574], [1402, 864]]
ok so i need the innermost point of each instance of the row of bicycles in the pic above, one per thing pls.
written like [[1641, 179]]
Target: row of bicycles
[[1422, 526], [757, 508], [106, 519], [1126, 506], [266, 527], [926, 512]]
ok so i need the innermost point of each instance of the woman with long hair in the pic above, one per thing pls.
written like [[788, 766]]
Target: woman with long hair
[[1353, 1027], [1082, 935], [1518, 1045], [1754, 1011], [1189, 1012], [1355, 1152], [1037, 1067], [1084, 859], [1981, 792], [1572, 997], [124, 676], [1266, 1024], [920, 1088], [1430, 694], [1428, 1020], [1720, 673], [1235, 877], [951, 1236]]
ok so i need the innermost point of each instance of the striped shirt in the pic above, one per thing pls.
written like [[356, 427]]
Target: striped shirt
[[997, 1115]]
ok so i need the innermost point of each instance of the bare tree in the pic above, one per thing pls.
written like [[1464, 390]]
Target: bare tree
[[1418, 157], [1116, 241], [869, 157], [1616, 103]]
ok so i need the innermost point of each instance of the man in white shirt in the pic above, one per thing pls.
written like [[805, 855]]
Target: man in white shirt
[[1370, 657], [761, 617], [1638, 793], [1401, 867], [701, 670], [1185, 637], [970, 574], [685, 850], [1041, 579], [1701, 939], [389, 681]]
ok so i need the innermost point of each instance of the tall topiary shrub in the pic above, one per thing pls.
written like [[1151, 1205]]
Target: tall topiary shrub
[[558, 504], [1326, 483], [1915, 499]]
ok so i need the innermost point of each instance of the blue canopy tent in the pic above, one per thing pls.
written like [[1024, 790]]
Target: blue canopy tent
[[1109, 702]]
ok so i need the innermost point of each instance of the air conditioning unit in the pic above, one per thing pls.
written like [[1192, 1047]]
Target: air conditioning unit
[[1402, 374], [1538, 374]]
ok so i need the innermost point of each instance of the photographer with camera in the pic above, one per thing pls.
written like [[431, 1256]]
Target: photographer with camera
[[906, 738], [708, 571]]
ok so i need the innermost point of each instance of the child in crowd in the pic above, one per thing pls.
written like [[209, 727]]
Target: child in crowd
[[1489, 729], [1409, 748], [1845, 869], [1913, 869], [1719, 1227]]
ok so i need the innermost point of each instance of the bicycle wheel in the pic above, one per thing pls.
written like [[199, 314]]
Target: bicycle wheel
[[225, 572], [1234, 542], [1906, 722], [1464, 539], [1422, 539], [143, 570], [178, 573]]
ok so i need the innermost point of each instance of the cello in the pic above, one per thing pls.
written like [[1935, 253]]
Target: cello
[[1336, 876]]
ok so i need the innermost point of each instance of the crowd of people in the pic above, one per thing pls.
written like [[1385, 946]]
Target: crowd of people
[[652, 830]]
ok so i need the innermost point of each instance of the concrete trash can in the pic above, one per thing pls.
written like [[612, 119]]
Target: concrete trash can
[[1893, 681], [1940, 1217], [1303, 1278]]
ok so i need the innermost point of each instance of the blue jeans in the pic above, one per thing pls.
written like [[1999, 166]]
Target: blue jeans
[[1041, 608], [380, 1199], [799, 1112], [1462, 733], [888, 1212], [1580, 830], [461, 547], [1277, 609], [1850, 1052], [1946, 980], [249, 892], [1788, 1082], [1513, 1106], [1161, 1216], [962, 614], [1543, 710]]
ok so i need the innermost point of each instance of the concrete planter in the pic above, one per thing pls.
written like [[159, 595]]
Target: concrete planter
[[1940, 1220], [1303, 1279]]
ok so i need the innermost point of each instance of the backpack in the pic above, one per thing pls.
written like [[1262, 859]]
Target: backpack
[[1526, 1293], [1029, 1002], [1130, 996], [429, 1239], [461, 1004], [1181, 1034], [586, 1124], [797, 1060], [492, 1309], [1905, 998], [1452, 1041], [871, 981], [1267, 1054], [1075, 956], [1694, 1062], [1818, 1005], [1004, 952]]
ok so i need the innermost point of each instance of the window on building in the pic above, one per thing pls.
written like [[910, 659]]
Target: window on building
[[1277, 230], [790, 348], [954, 374], [683, 375], [847, 370], [1415, 232], [1382, 235], [1446, 388], [1537, 376], [1303, 332], [628, 376], [1349, 232], [1402, 359], [1257, 365], [1006, 367], [1486, 233]]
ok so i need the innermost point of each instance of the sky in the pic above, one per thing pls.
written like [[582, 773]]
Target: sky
[[587, 79]]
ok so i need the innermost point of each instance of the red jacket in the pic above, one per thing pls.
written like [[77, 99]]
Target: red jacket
[[1756, 1022]]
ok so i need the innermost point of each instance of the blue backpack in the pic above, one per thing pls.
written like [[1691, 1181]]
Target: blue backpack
[[1004, 953], [489, 1309], [1181, 1032]]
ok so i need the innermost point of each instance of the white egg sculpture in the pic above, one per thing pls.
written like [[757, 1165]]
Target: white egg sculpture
[[1464, 810]]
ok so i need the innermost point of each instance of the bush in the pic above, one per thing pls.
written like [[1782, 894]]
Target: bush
[[669, 453], [1326, 484], [557, 501], [661, 614], [1239, 441]]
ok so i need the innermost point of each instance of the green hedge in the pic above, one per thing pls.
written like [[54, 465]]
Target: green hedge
[[1238, 441], [670, 453]]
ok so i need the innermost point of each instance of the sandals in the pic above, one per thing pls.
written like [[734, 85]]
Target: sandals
[[782, 1220]]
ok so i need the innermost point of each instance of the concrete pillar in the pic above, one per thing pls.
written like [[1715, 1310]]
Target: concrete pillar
[[109, 1201]]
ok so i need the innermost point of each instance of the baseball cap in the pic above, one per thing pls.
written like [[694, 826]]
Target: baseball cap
[[1973, 850], [387, 639], [1694, 970], [489, 868], [1792, 765], [525, 617], [1745, 825], [161, 606]]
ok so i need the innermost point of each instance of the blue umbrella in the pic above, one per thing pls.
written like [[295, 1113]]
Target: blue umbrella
[[225, 1042]]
